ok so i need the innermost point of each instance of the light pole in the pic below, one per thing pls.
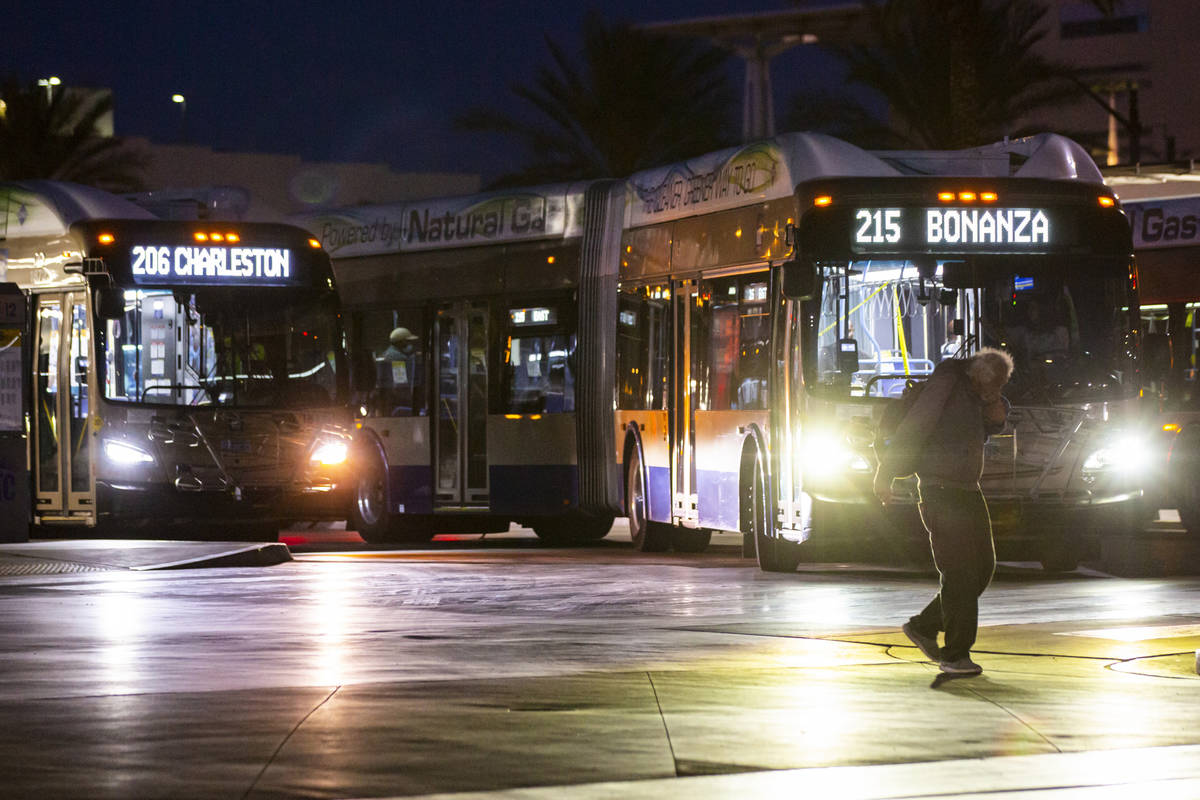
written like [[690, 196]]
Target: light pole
[[182, 102], [49, 83]]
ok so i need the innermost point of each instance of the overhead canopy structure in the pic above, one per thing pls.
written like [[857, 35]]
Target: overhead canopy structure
[[758, 38]]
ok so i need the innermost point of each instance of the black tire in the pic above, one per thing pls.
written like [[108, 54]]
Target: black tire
[[369, 514], [648, 536], [688, 540], [1059, 552], [774, 553], [573, 529]]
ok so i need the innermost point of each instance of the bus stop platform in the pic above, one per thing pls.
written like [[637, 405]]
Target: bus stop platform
[[101, 555]]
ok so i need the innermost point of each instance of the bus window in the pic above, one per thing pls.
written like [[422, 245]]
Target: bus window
[[539, 374], [199, 349], [738, 342], [643, 347], [393, 337]]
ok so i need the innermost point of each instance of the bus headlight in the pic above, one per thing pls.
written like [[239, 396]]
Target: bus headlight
[[825, 452], [125, 454], [330, 452], [1128, 453]]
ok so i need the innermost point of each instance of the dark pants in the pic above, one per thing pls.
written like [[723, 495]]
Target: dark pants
[[960, 533]]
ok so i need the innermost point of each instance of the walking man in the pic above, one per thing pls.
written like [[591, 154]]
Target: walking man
[[941, 439]]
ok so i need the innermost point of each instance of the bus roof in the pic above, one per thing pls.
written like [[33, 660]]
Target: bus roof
[[773, 168], [50, 208]]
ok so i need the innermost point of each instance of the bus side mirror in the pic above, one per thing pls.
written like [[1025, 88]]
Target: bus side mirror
[[364, 371], [799, 279], [110, 303], [1157, 348]]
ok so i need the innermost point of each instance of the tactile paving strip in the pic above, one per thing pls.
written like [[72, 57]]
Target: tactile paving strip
[[20, 565]]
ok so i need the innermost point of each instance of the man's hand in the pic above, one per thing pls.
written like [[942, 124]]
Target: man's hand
[[883, 486]]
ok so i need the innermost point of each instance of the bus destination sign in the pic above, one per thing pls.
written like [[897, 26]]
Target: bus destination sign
[[211, 266], [950, 229]]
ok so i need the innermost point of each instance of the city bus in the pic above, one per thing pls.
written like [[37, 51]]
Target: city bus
[[1163, 204], [708, 346], [181, 371], [480, 379], [775, 297]]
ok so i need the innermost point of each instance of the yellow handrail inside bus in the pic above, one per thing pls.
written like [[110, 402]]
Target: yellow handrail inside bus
[[866, 300], [900, 329]]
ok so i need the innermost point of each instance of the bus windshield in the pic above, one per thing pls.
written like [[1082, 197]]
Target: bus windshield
[[204, 350], [882, 322]]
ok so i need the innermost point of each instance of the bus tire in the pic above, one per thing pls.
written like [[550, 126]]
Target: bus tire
[[690, 540], [369, 513], [573, 529], [774, 553], [647, 536]]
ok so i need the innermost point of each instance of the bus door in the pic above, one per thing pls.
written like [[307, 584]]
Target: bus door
[[686, 398], [460, 438], [62, 471]]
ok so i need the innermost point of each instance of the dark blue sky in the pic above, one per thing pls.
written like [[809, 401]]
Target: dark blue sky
[[355, 80]]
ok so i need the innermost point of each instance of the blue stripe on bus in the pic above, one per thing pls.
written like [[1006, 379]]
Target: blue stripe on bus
[[658, 493], [533, 488], [718, 499], [410, 486]]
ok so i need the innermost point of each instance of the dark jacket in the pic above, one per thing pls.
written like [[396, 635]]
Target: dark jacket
[[942, 436]]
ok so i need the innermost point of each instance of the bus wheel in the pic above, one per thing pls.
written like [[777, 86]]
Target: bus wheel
[[686, 540], [573, 529], [370, 516], [774, 553], [1059, 551], [647, 535]]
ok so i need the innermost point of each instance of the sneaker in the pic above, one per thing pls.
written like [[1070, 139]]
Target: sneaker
[[927, 644], [960, 666]]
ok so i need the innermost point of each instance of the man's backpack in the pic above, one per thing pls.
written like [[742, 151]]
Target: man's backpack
[[895, 413]]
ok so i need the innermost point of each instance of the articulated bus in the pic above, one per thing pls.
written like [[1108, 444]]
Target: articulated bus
[[1163, 204], [474, 364], [708, 346], [188, 372]]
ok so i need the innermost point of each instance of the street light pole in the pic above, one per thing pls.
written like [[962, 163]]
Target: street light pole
[[182, 102], [49, 83]]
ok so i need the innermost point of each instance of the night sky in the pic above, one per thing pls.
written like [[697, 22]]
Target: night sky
[[357, 80]]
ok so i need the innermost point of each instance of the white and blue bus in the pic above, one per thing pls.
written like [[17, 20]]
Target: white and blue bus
[[181, 371], [709, 345]]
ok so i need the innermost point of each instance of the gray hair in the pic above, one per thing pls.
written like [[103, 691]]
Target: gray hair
[[990, 367]]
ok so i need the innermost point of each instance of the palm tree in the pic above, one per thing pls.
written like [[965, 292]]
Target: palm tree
[[637, 100], [953, 73], [56, 138]]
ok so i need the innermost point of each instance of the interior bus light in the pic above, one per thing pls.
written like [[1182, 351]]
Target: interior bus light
[[232, 237], [946, 197], [314, 244], [988, 197], [967, 197], [823, 200], [200, 236], [106, 238], [1106, 201]]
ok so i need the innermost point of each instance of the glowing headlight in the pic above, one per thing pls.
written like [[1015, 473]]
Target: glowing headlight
[[1128, 453], [826, 451], [330, 452], [125, 454]]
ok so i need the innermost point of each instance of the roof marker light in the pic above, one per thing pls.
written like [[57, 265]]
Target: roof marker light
[[199, 236], [217, 237], [106, 238], [232, 237], [314, 244], [822, 200], [1106, 201], [988, 197], [946, 197], [967, 197]]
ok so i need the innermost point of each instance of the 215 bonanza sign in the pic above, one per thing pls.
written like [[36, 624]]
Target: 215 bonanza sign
[[920, 229]]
